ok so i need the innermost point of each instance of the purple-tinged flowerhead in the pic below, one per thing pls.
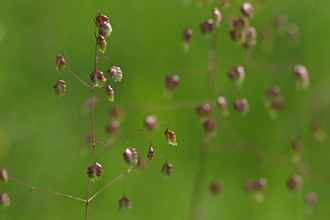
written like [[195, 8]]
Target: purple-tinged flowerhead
[[318, 131], [124, 204], [247, 10], [203, 110], [277, 103], [250, 38], [150, 154], [171, 81], [95, 171], [4, 200], [110, 93], [112, 127], [209, 126], [292, 30], [60, 88], [217, 16], [170, 137], [207, 27], [215, 187], [222, 103], [151, 121], [167, 169], [187, 35], [59, 63], [130, 157], [105, 29], [311, 198], [116, 112], [294, 182], [272, 92], [249, 185], [302, 78], [237, 76], [239, 24], [4, 175], [97, 77], [241, 106], [101, 43], [115, 73], [280, 22], [237, 36], [296, 146], [99, 19], [260, 183]]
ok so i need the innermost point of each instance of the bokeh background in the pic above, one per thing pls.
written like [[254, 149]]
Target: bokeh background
[[42, 137]]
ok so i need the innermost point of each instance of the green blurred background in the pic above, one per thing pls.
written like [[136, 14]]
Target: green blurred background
[[42, 137]]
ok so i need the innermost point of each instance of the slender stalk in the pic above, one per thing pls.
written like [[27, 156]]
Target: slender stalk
[[91, 163], [142, 129], [123, 174], [12, 211], [202, 164], [46, 190]]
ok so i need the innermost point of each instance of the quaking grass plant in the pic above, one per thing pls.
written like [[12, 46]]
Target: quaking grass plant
[[224, 109], [102, 30]]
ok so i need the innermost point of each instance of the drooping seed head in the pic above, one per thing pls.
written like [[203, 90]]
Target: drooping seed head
[[209, 126], [311, 197], [130, 157], [277, 103], [95, 171], [150, 121], [101, 43], [292, 30], [237, 36], [4, 200], [247, 10], [294, 182], [241, 106], [171, 81], [207, 27], [105, 29], [60, 88], [115, 73], [112, 127], [116, 112], [4, 175], [97, 77], [237, 76], [150, 154], [222, 103], [187, 35], [249, 185], [272, 92], [167, 169], [99, 19], [318, 131], [296, 146], [110, 93], [215, 187], [302, 78], [124, 204], [240, 24], [280, 20], [217, 16], [260, 184], [203, 110], [170, 137], [59, 63], [250, 38]]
